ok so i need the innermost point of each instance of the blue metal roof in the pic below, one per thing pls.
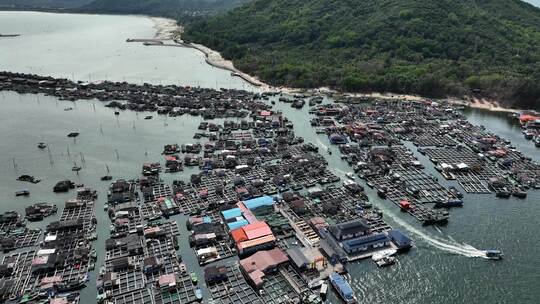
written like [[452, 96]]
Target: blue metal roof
[[399, 238], [231, 213], [258, 202], [364, 241], [237, 224]]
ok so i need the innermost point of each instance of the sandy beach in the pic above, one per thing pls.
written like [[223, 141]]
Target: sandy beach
[[165, 28], [490, 105]]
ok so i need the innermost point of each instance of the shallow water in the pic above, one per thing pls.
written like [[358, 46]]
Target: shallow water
[[94, 47], [439, 269]]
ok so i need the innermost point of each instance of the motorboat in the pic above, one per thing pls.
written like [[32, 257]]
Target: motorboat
[[386, 261], [323, 291], [382, 254], [24, 192], [494, 254], [343, 288]]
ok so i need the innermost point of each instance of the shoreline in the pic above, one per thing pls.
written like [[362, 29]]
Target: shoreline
[[490, 105], [168, 29], [214, 58], [165, 28]]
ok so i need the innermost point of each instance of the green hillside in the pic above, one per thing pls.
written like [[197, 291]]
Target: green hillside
[[490, 48]]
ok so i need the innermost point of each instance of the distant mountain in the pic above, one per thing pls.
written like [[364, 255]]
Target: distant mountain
[[44, 4], [488, 48], [167, 8]]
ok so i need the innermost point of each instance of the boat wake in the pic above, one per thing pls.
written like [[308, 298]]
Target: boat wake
[[320, 143], [340, 171], [446, 244]]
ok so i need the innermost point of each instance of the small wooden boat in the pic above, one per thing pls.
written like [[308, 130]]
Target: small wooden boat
[[23, 192], [76, 168]]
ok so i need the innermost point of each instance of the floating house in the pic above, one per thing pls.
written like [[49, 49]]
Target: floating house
[[259, 202], [253, 237], [215, 274], [349, 230], [399, 239], [304, 258], [366, 243], [261, 263]]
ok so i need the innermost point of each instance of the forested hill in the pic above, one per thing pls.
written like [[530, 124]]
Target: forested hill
[[167, 8], [489, 48]]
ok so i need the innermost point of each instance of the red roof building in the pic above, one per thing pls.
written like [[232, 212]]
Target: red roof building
[[253, 237], [257, 230], [239, 235]]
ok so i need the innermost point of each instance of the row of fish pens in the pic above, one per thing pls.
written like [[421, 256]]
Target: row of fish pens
[[58, 265]]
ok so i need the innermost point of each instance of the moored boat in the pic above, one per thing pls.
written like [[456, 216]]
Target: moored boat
[[323, 291], [449, 203], [23, 192], [194, 278], [386, 261], [382, 254], [198, 294], [342, 287]]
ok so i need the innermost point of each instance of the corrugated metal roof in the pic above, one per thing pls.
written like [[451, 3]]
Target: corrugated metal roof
[[264, 259], [237, 224], [255, 242], [259, 201], [365, 241], [257, 230], [231, 213], [399, 238], [239, 235], [297, 256]]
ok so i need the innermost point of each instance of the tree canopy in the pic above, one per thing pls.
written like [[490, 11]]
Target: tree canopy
[[489, 48]]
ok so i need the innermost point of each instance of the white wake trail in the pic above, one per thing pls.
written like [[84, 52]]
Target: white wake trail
[[443, 244], [340, 171], [320, 143]]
